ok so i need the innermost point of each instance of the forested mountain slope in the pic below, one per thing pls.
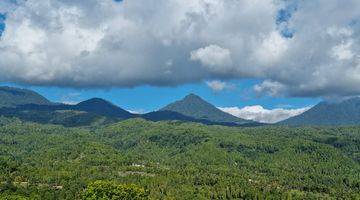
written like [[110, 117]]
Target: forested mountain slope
[[175, 160], [345, 112], [11, 97]]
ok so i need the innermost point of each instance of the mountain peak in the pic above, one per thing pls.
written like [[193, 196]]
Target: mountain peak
[[103, 107], [196, 107], [95, 101], [192, 96]]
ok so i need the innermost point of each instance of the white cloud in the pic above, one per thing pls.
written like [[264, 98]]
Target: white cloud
[[271, 88], [103, 43], [260, 114], [343, 51], [214, 57], [272, 48], [218, 86], [340, 32], [139, 111], [70, 102]]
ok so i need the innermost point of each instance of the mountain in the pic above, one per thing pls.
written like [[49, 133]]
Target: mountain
[[346, 112], [28, 105], [103, 107], [95, 106], [11, 97], [170, 115], [90, 112], [195, 107], [67, 118]]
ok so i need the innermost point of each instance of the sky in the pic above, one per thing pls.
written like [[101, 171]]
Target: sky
[[257, 59]]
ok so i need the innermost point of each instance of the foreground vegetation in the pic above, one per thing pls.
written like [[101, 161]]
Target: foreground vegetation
[[175, 160]]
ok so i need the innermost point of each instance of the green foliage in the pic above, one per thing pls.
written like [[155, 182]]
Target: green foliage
[[68, 118], [104, 190], [175, 160]]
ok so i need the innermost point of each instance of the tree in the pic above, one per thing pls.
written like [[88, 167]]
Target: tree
[[104, 190]]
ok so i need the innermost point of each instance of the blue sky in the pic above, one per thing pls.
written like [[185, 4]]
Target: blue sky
[[284, 16], [2, 24]]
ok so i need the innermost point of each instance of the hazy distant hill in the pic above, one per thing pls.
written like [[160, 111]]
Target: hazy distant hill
[[197, 108], [346, 112], [11, 97]]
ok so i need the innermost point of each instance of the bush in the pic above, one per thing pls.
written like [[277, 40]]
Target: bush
[[104, 190]]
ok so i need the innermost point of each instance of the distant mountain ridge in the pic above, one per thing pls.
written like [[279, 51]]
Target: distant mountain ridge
[[195, 107], [28, 105], [103, 107], [345, 112], [12, 97], [95, 105]]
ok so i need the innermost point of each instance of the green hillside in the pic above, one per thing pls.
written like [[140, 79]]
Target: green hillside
[[67, 118], [345, 112], [175, 160], [91, 112], [195, 107], [10, 97]]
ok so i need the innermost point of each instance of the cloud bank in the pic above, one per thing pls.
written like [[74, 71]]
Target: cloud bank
[[260, 114], [299, 48]]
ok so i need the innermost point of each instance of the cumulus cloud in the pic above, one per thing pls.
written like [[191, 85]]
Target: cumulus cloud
[[260, 114], [343, 51], [272, 48], [303, 51], [218, 86], [271, 88], [214, 57]]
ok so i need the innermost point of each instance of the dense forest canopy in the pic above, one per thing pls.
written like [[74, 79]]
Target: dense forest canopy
[[177, 160]]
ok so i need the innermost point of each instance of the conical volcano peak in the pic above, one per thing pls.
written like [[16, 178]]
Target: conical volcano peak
[[193, 98], [194, 106]]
